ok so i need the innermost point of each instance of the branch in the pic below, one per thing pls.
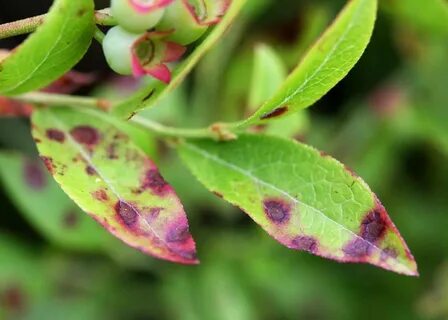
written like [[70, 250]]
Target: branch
[[52, 99], [28, 25], [215, 131]]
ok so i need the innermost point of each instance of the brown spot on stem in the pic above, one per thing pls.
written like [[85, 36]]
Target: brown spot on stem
[[55, 135], [126, 213], [277, 210], [34, 176], [85, 135], [274, 113], [305, 243]]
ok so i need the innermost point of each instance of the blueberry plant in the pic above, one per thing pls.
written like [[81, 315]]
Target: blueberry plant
[[95, 148]]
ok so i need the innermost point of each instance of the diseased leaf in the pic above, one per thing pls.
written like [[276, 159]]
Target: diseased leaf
[[148, 96], [325, 64], [46, 207], [52, 50], [112, 180], [306, 200]]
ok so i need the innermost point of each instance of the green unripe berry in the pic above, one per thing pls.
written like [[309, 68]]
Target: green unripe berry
[[182, 22], [131, 19], [117, 46]]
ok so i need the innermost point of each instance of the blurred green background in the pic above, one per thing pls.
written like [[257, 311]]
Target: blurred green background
[[388, 120]]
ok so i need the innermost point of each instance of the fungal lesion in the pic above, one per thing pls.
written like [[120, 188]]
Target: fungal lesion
[[274, 113], [277, 210]]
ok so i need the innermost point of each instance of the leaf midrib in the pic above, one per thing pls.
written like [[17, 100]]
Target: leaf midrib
[[285, 193]]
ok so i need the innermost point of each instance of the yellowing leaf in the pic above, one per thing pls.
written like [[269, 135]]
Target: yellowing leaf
[[112, 180]]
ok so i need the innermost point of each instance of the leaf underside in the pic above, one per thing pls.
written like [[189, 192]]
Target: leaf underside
[[306, 200], [112, 180], [325, 64], [52, 50]]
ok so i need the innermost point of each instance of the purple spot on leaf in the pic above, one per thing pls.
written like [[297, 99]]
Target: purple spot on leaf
[[71, 219], [34, 176], [154, 181], [305, 243], [373, 226], [277, 210], [389, 253], [178, 233], [187, 255], [55, 135], [90, 170], [126, 213], [357, 248], [85, 135], [154, 213]]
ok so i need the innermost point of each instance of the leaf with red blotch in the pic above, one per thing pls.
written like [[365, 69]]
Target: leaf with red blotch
[[306, 200], [112, 180], [70, 82], [13, 108]]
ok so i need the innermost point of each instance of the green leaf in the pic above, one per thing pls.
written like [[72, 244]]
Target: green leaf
[[46, 207], [112, 180], [268, 74], [52, 50], [306, 200], [433, 20], [148, 96], [325, 64]]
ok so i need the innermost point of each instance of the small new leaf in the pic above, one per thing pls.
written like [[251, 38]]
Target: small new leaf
[[52, 50], [112, 180], [306, 200], [325, 64]]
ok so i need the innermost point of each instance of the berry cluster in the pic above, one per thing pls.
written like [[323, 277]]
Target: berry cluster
[[151, 33]]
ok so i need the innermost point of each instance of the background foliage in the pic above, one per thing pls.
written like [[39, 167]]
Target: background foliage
[[386, 120]]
